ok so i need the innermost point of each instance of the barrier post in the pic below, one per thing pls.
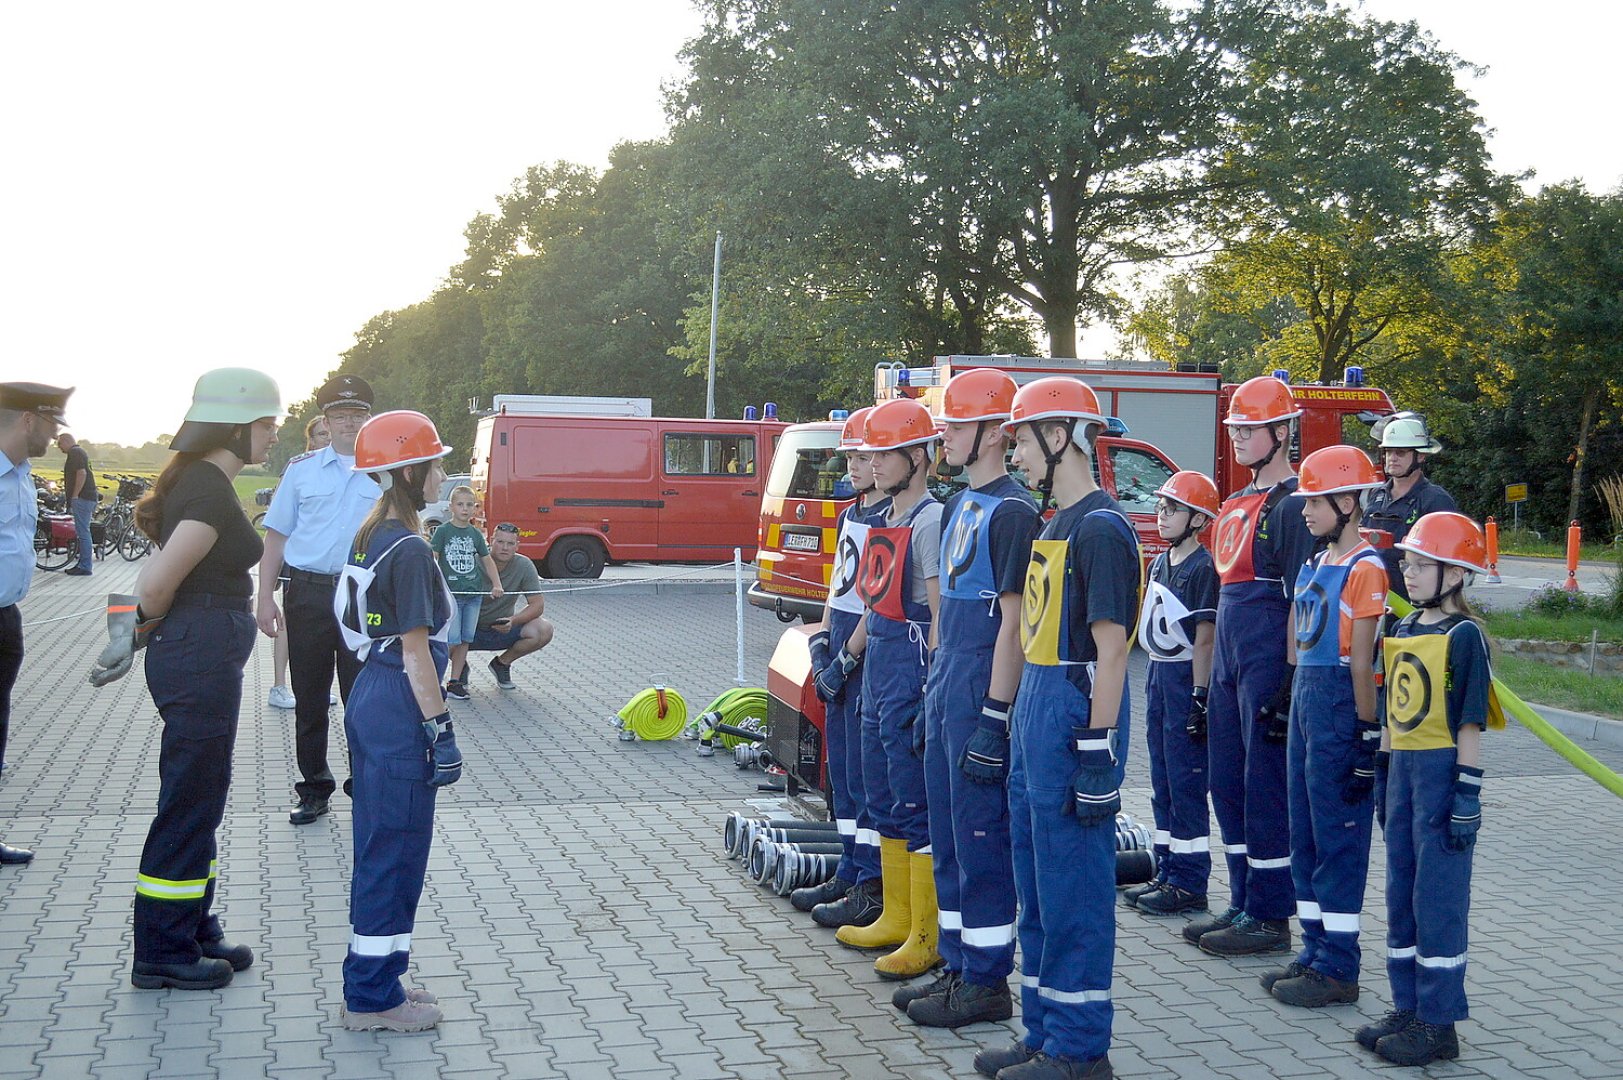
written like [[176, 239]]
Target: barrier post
[[738, 600], [1574, 538], [1492, 530]]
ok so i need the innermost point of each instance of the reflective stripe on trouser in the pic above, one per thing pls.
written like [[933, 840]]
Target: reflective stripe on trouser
[[393, 825], [1064, 873], [1177, 777], [315, 650], [194, 672], [1329, 836], [892, 692], [1247, 772], [1428, 888], [842, 735], [969, 826]]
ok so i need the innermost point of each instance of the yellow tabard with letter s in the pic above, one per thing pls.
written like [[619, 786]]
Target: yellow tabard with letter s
[[1417, 693], [1042, 609]]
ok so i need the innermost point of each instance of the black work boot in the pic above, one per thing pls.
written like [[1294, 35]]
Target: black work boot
[[859, 907], [990, 1062], [1420, 1044], [917, 991], [200, 974], [1199, 928], [1248, 937], [1289, 971], [964, 1003], [1171, 900], [310, 808], [829, 891], [240, 957], [1390, 1024], [1132, 893], [1047, 1067], [1314, 990]]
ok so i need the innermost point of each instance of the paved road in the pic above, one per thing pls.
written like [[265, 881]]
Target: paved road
[[580, 922]]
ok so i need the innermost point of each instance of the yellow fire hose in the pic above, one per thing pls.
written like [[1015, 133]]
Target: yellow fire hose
[[653, 715], [1532, 721]]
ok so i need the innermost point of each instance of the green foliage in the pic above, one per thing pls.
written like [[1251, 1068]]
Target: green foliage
[[1533, 680]]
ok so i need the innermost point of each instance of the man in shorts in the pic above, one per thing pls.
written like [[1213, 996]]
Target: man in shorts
[[501, 630]]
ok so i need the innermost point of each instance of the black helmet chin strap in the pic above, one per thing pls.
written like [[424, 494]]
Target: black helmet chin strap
[[975, 448], [1441, 594], [1414, 465], [1257, 466], [1189, 529], [1051, 458], [1341, 517], [912, 471]]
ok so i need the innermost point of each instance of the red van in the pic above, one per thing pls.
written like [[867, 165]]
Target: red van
[[807, 488], [590, 490]]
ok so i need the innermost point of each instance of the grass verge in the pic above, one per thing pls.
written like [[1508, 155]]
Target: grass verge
[[1576, 690], [1576, 627]]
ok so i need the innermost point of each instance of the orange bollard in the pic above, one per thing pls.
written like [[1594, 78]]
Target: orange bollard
[[1492, 529], [1574, 538]]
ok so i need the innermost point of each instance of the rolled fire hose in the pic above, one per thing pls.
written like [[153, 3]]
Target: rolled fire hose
[[737, 716], [765, 855], [1135, 852], [756, 830], [653, 715], [734, 831], [797, 870]]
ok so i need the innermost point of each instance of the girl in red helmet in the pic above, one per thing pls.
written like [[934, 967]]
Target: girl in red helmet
[[1176, 629], [1339, 600], [394, 609], [1438, 699]]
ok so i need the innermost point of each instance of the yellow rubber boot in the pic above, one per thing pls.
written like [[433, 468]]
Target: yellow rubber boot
[[918, 953], [896, 920]]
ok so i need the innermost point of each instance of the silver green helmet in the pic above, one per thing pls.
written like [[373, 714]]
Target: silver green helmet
[[223, 400], [1407, 431]]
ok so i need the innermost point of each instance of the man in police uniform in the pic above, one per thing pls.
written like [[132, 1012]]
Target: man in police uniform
[[1408, 495], [309, 528], [30, 415]]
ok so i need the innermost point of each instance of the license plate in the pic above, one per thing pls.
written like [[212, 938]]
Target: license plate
[[800, 542]]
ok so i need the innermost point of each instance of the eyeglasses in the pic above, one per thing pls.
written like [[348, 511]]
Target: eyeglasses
[[1410, 567], [507, 527], [1167, 509], [1240, 433]]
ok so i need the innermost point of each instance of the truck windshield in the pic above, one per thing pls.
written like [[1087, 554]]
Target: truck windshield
[[809, 465]]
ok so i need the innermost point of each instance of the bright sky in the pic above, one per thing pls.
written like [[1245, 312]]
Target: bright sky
[[196, 185]]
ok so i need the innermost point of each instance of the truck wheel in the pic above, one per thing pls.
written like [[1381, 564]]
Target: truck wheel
[[575, 557]]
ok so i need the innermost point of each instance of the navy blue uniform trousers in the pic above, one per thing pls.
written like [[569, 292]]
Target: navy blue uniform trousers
[[393, 827], [842, 734], [1177, 776], [194, 667], [969, 826], [892, 699], [1428, 888]]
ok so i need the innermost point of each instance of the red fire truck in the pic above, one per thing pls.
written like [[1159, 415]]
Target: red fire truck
[[1169, 420]]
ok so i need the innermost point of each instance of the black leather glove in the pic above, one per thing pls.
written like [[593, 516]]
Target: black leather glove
[[1275, 717], [1095, 795], [916, 727], [1195, 728], [830, 682], [1464, 815], [442, 751], [1360, 779], [1383, 768], [985, 759]]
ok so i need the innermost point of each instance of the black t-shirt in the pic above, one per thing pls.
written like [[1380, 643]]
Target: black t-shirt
[[408, 591], [204, 494], [1194, 582], [1101, 571], [78, 459]]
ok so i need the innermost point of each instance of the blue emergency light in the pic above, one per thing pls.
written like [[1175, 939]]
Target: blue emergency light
[[1282, 375], [771, 408], [1353, 376], [749, 412], [839, 414], [1114, 425], [903, 377]]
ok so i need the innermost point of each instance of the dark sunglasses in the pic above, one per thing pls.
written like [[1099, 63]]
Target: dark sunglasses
[[507, 527]]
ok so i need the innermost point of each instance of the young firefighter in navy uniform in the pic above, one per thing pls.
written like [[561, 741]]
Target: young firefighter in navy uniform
[[1439, 697], [1176, 631], [1259, 543], [986, 545], [898, 580], [192, 612], [1391, 510], [851, 896], [1340, 596], [1068, 742], [394, 609]]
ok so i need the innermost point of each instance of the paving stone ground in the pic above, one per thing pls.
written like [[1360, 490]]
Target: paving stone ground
[[580, 921]]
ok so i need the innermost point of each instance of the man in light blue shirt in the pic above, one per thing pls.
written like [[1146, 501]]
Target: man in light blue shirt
[[309, 528], [30, 415]]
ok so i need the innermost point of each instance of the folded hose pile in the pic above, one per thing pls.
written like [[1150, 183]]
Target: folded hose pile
[[736, 718]]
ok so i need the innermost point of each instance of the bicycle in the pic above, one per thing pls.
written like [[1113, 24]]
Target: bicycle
[[117, 522], [56, 541]]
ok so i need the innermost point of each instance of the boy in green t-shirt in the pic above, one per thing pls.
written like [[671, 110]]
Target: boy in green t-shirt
[[464, 559]]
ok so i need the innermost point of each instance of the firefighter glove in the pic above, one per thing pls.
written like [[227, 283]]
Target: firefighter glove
[[985, 759], [1383, 766], [443, 754], [1095, 791], [1195, 727], [1275, 717], [819, 651], [830, 681], [128, 630], [1360, 779], [1464, 816]]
